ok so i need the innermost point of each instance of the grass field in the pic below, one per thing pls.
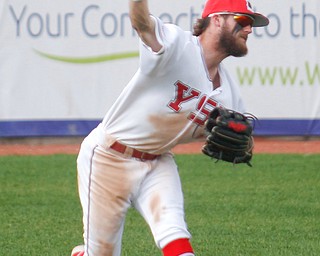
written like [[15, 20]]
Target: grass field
[[270, 209]]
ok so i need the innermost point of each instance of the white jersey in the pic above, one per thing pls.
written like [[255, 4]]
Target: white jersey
[[166, 104]]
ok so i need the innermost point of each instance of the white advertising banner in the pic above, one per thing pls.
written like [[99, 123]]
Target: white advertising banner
[[63, 63]]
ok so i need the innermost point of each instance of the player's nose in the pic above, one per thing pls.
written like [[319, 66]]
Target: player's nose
[[247, 29]]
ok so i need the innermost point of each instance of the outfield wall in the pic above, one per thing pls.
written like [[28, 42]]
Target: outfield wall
[[63, 63]]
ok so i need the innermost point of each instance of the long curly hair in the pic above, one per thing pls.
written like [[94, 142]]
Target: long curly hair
[[200, 26]]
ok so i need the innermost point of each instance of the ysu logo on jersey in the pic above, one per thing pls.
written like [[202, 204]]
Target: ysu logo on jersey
[[185, 93]]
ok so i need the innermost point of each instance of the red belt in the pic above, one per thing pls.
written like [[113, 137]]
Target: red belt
[[117, 146]]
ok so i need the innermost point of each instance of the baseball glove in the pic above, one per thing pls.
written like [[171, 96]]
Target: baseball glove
[[229, 136]]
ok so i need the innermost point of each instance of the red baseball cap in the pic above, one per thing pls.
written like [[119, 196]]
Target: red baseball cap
[[234, 6]]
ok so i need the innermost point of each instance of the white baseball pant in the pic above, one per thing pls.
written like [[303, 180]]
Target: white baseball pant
[[110, 182]]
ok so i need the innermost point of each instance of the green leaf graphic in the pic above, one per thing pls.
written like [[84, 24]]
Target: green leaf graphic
[[89, 60]]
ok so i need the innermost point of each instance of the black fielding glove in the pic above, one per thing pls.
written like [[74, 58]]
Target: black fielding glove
[[229, 136]]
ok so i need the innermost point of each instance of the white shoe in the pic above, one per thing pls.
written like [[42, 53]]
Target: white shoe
[[78, 251]]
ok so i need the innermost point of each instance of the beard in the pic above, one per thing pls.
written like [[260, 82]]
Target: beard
[[228, 42]]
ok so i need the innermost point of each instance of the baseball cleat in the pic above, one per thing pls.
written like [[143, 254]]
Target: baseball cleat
[[78, 251]]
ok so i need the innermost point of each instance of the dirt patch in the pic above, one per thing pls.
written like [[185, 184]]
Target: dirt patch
[[71, 146]]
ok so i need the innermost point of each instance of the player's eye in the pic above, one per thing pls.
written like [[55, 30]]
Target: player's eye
[[243, 20]]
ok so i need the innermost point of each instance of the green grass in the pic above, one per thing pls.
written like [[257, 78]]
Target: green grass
[[270, 209]]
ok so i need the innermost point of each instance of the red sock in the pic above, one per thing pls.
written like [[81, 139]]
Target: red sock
[[177, 247], [78, 254]]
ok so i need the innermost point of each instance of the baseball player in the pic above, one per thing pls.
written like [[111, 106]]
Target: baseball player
[[126, 161]]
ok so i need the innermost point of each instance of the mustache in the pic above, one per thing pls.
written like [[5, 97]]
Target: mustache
[[237, 29]]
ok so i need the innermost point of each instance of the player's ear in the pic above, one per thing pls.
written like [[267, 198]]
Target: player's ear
[[217, 20]]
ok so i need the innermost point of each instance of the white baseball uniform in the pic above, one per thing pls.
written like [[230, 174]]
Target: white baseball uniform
[[165, 103]]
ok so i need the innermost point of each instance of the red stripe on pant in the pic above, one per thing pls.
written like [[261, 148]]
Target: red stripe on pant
[[177, 247], [78, 254]]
